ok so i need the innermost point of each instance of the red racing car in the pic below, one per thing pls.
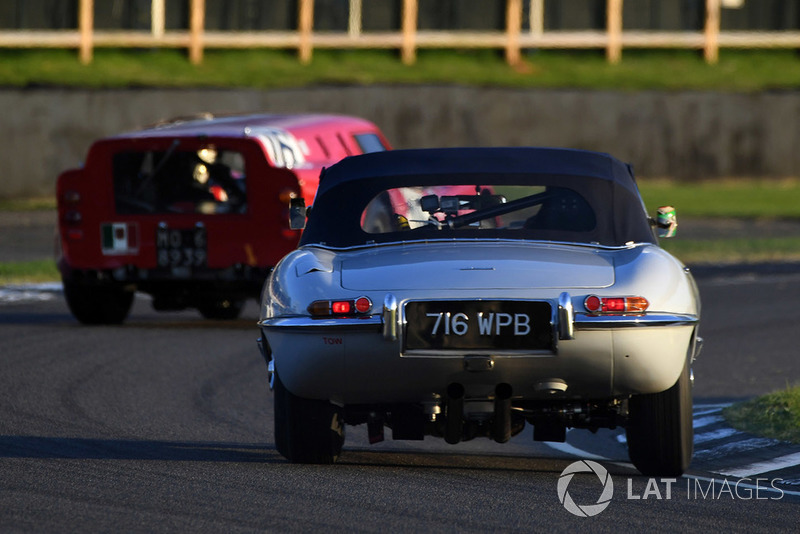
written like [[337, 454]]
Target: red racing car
[[192, 212]]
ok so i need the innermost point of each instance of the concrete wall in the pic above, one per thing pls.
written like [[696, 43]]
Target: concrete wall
[[686, 135]]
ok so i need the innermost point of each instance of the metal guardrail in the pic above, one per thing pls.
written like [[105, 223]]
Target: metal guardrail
[[408, 39]]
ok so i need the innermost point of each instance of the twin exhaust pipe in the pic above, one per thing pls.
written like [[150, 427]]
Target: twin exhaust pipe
[[454, 401], [501, 420]]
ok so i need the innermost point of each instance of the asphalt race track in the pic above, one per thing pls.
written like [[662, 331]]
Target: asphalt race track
[[165, 424]]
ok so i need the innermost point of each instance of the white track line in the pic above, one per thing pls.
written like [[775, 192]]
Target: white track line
[[758, 468]]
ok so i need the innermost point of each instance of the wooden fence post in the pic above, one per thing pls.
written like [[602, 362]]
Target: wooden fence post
[[354, 19], [305, 27], [157, 17], [197, 18], [513, 29], [408, 52], [614, 29], [86, 30], [711, 46], [537, 17]]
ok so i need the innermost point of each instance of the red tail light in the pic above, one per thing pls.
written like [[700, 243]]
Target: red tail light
[[363, 305], [73, 217], [341, 307], [330, 308], [71, 197], [74, 234], [595, 304]]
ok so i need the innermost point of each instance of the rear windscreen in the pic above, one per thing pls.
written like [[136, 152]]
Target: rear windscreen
[[481, 205], [205, 181], [369, 143], [457, 207]]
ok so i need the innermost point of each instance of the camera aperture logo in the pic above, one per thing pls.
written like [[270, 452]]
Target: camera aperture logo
[[585, 510]]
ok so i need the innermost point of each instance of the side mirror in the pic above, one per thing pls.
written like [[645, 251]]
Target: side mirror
[[666, 221], [297, 213]]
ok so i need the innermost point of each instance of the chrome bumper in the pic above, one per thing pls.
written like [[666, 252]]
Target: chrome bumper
[[581, 321]]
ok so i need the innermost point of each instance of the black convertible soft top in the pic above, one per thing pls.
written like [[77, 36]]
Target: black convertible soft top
[[606, 183]]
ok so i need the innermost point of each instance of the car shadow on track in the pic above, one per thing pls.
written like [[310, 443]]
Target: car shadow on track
[[60, 448], [121, 449]]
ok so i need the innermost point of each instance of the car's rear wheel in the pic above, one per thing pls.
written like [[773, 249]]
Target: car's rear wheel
[[221, 309], [97, 305], [307, 431], [660, 434]]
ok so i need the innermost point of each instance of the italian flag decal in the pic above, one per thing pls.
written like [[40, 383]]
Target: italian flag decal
[[119, 238]]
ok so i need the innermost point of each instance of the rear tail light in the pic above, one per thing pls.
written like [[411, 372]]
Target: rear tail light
[[341, 307], [73, 217], [611, 305], [71, 197], [74, 234], [333, 308]]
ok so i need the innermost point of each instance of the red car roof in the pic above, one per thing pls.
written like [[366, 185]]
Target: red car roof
[[238, 125]]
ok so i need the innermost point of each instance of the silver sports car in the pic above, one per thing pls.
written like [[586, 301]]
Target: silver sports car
[[462, 292]]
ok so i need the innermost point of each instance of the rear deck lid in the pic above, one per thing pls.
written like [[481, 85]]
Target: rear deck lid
[[476, 265]]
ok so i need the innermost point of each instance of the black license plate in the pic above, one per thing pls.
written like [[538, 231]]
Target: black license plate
[[181, 247], [479, 325]]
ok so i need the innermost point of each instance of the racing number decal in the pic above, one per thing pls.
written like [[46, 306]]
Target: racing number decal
[[181, 248], [284, 149]]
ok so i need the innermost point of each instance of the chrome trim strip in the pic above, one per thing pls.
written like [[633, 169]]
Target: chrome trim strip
[[367, 322], [591, 322], [460, 354], [463, 241]]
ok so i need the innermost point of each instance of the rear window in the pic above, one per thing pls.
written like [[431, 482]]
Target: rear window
[[208, 181], [541, 207], [451, 208], [369, 143]]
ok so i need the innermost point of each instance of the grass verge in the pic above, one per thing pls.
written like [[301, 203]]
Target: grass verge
[[735, 250], [737, 70], [775, 415], [743, 199], [28, 204], [27, 272], [736, 198]]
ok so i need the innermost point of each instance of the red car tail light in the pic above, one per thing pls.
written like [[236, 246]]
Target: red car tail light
[[73, 217], [74, 234], [595, 304], [71, 197], [332, 308], [341, 307], [363, 305]]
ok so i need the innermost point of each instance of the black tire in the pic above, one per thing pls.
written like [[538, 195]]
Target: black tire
[[307, 431], [222, 309], [97, 305], [660, 433]]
